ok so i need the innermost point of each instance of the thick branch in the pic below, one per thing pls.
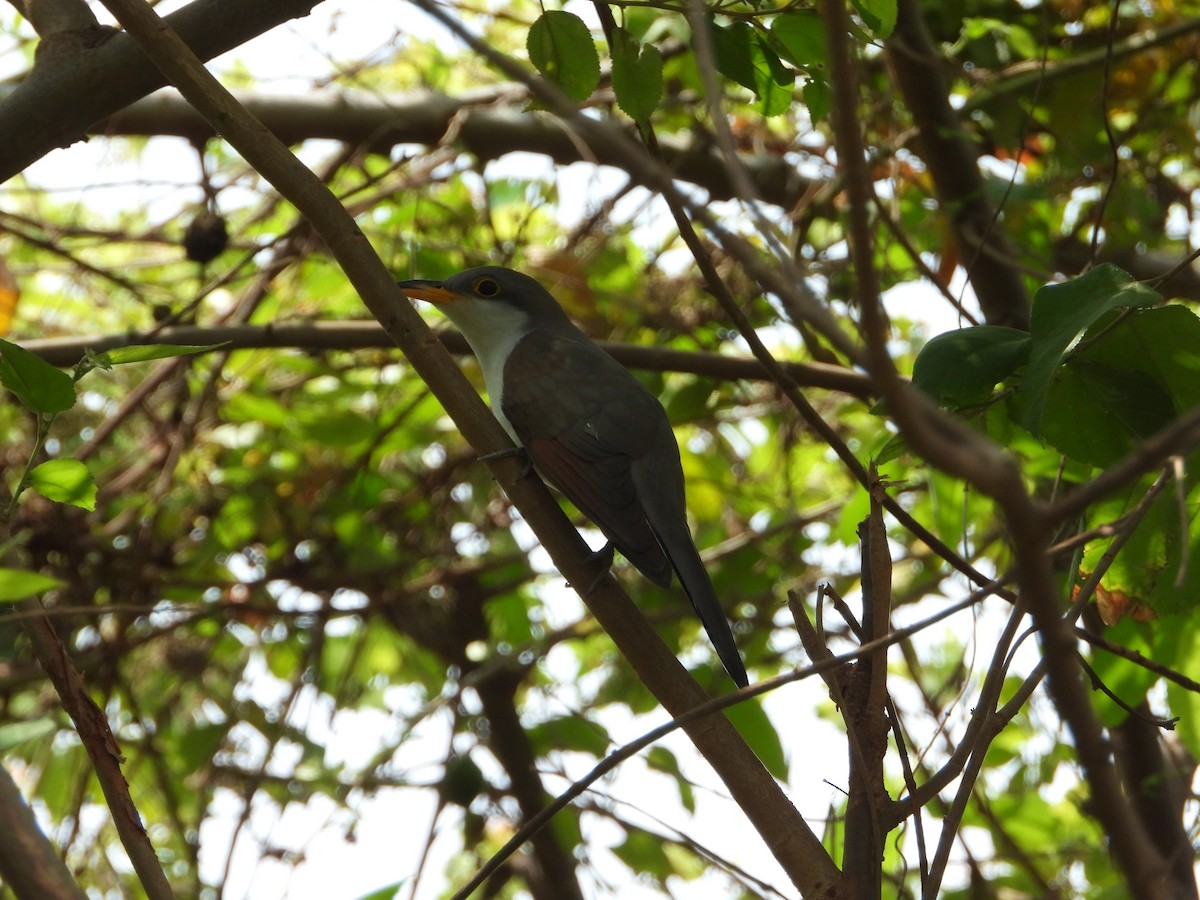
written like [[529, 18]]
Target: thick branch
[[51, 17], [954, 165], [478, 123], [58, 102], [510, 743], [866, 698], [948, 444], [496, 687], [29, 863], [1159, 772], [1144, 869], [781, 826]]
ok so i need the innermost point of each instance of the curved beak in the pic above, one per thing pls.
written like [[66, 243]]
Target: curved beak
[[430, 291]]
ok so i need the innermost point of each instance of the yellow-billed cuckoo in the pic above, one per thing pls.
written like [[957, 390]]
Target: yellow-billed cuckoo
[[588, 426]]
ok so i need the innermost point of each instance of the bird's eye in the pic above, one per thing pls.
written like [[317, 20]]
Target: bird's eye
[[486, 287]]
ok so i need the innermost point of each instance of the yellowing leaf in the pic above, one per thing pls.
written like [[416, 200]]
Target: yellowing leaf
[[10, 295]]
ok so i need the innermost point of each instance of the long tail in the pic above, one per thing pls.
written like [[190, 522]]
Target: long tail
[[659, 480], [699, 588]]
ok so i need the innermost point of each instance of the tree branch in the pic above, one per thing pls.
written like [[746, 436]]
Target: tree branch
[[1180, 437], [949, 445], [54, 17], [30, 865], [102, 749], [781, 826], [57, 102], [361, 335], [955, 169], [487, 123]]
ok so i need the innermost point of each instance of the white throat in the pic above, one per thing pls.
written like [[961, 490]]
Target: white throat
[[492, 330]]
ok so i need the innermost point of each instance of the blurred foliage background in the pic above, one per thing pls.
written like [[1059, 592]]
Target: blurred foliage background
[[322, 637]]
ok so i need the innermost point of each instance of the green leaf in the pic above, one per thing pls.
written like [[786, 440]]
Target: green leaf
[[663, 760], [379, 653], [65, 481], [966, 363], [1177, 647], [690, 402], [644, 854], [504, 192], [1097, 413], [463, 780], [36, 383], [283, 658], [13, 734], [1063, 312], [336, 428], [891, 448], [247, 407], [752, 722], [743, 56], [387, 892], [17, 584], [636, 75], [799, 36], [570, 733], [818, 98], [1001, 32], [566, 828], [197, 745], [878, 15], [120, 356], [1161, 342], [1125, 680], [1123, 385], [1157, 564], [561, 47], [508, 619]]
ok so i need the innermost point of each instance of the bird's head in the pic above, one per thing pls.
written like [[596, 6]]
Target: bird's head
[[489, 301]]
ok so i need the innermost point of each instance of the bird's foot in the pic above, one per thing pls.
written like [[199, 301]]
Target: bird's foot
[[507, 452], [604, 559]]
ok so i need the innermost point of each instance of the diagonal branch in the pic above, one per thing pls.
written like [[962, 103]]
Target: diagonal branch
[[102, 749], [954, 167], [951, 446], [29, 863], [57, 102], [780, 825]]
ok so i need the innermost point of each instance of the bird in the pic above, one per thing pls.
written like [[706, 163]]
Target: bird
[[587, 425]]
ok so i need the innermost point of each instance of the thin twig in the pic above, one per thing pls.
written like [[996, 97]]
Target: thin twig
[[781, 826], [615, 758], [1109, 134]]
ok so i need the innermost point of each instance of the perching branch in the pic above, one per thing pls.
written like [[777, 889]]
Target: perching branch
[[780, 825], [364, 335]]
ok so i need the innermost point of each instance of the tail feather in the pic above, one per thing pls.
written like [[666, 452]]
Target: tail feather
[[659, 480], [699, 588]]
